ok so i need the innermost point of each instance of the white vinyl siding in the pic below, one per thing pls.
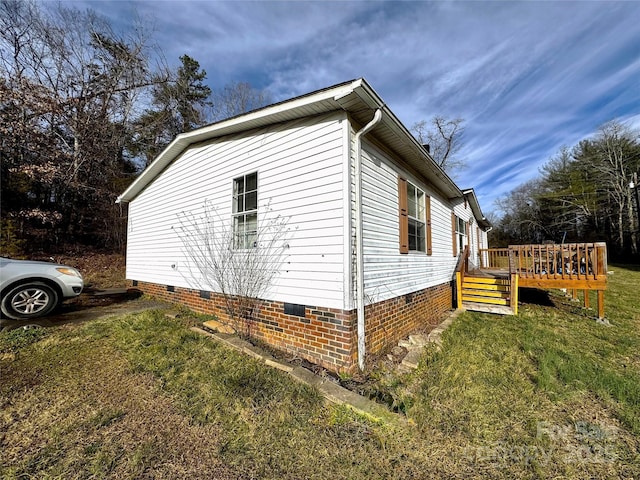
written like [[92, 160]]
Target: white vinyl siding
[[388, 273], [300, 174], [463, 211], [305, 173]]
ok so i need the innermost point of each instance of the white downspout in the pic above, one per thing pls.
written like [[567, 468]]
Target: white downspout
[[359, 248]]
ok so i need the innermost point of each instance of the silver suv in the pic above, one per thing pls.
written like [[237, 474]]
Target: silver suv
[[32, 289]]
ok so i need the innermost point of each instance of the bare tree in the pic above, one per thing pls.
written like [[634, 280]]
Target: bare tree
[[583, 194], [242, 275], [71, 88], [614, 160], [443, 135], [238, 98], [522, 219]]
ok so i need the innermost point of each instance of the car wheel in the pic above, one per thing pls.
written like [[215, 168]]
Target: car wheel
[[30, 300]]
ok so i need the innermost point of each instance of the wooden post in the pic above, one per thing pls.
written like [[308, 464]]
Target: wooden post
[[513, 300], [601, 304], [459, 289], [586, 298], [600, 262], [574, 294]]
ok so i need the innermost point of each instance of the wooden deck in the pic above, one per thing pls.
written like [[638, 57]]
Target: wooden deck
[[489, 273], [574, 266], [582, 266]]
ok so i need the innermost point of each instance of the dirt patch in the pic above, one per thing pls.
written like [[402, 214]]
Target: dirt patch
[[90, 305], [99, 270], [382, 370]]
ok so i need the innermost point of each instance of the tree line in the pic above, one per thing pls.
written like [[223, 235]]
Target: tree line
[[585, 193], [83, 109]]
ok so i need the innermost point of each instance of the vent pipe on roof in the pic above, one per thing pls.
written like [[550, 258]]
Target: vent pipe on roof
[[427, 147], [359, 245]]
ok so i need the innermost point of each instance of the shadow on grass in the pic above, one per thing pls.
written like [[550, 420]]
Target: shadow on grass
[[535, 296], [633, 268]]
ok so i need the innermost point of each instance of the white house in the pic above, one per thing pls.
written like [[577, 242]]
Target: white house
[[376, 227]]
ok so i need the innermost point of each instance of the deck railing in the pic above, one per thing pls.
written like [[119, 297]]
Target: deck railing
[[568, 261], [494, 259], [462, 268], [576, 266], [462, 265]]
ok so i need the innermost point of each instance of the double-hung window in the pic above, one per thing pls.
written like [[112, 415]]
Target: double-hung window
[[459, 233], [461, 227], [415, 218], [417, 221], [245, 211]]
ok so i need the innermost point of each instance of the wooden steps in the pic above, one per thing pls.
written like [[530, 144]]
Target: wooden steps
[[486, 294]]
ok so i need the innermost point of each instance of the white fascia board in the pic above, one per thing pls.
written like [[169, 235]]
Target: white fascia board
[[470, 194], [344, 90], [183, 140], [261, 117], [154, 169]]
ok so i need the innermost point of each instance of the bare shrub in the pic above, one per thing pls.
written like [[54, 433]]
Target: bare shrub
[[242, 275]]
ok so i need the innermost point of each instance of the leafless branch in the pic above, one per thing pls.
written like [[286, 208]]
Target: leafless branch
[[242, 275]]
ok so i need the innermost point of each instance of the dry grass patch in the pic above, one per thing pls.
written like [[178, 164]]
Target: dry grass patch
[[84, 414], [140, 396], [550, 388], [548, 394]]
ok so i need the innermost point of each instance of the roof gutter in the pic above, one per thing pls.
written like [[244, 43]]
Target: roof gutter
[[359, 242], [448, 187]]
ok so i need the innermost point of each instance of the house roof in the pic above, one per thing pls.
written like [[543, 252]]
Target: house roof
[[470, 195], [356, 97]]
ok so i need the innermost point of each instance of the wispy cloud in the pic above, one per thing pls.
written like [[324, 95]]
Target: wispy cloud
[[528, 77]]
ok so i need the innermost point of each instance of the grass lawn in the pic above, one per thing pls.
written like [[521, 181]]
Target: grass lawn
[[547, 394]]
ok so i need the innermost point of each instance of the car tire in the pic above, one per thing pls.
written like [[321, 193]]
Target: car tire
[[29, 300]]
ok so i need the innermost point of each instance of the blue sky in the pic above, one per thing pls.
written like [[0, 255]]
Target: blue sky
[[527, 77]]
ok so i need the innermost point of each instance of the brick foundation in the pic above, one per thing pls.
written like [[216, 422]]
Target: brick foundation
[[391, 320], [324, 336]]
